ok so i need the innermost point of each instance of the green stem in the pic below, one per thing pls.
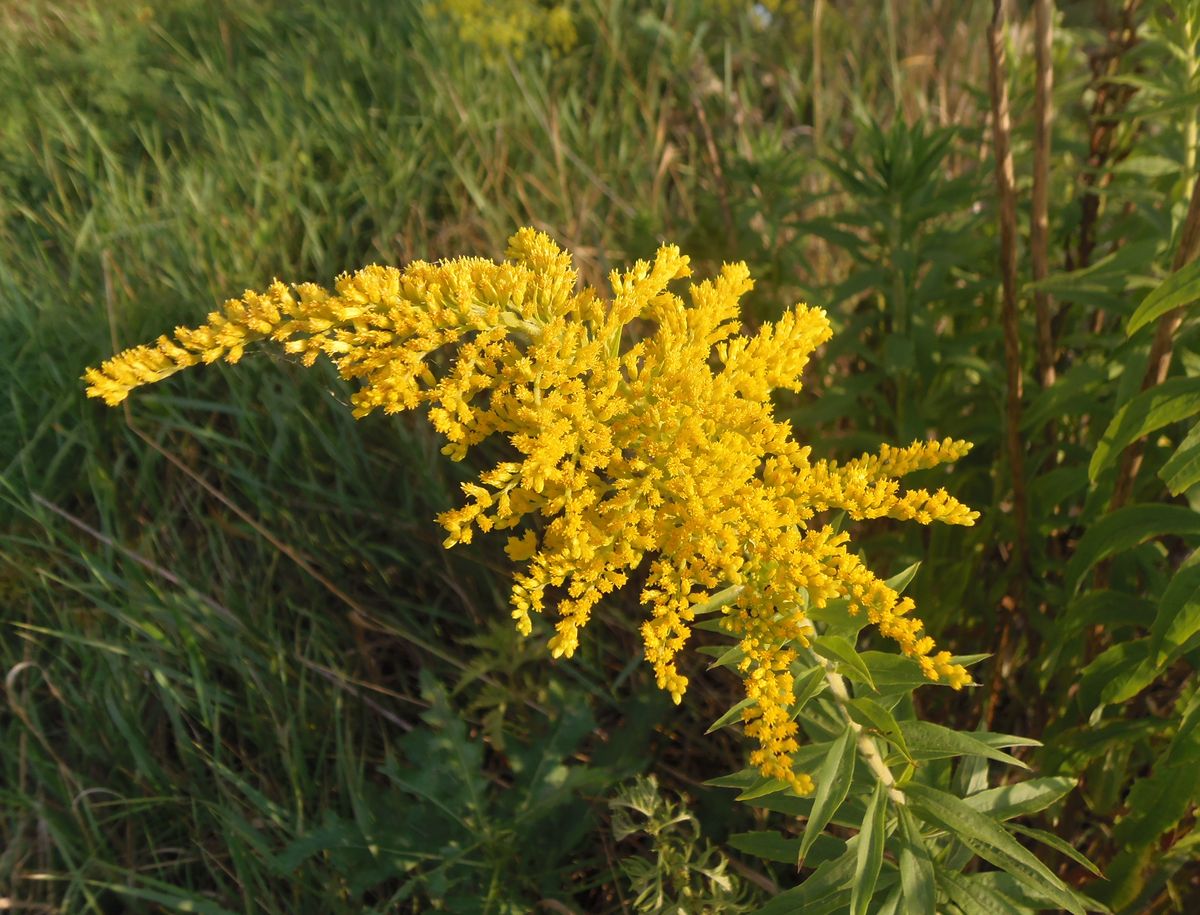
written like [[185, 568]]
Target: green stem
[[868, 748]]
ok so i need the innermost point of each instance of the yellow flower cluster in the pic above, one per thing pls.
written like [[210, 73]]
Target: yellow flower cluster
[[662, 450], [497, 27]]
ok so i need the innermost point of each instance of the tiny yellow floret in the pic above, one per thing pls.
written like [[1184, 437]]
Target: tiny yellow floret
[[663, 453]]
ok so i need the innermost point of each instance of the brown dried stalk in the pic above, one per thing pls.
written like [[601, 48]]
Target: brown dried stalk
[[1007, 203], [1007, 199], [1039, 230]]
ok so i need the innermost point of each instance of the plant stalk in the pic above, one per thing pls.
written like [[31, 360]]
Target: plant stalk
[[1007, 204], [1039, 229], [868, 749]]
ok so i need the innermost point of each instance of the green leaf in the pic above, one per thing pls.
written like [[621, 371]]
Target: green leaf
[[731, 716], [894, 673], [177, 900], [741, 779], [870, 713], [974, 899], [837, 619], [1160, 800], [755, 786], [807, 685], [932, 741], [1050, 840], [1117, 674], [725, 656], [1125, 528], [836, 648], [1182, 470], [826, 884], [1178, 617], [900, 580], [718, 600], [987, 839], [833, 783], [773, 846], [761, 788], [916, 868], [870, 851], [1021, 799], [1173, 400], [1180, 288], [1103, 608]]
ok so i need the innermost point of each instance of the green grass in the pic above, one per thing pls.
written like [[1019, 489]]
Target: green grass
[[241, 672]]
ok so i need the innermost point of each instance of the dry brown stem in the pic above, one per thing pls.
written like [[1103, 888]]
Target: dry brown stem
[[1007, 202], [1007, 205], [1039, 230]]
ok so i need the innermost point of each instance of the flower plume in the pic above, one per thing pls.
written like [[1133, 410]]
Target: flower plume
[[662, 453]]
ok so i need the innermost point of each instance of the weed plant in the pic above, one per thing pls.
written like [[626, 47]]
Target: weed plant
[[241, 673]]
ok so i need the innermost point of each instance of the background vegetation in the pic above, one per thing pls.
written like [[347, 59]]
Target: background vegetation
[[240, 672]]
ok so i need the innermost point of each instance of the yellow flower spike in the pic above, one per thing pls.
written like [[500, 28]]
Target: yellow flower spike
[[665, 449]]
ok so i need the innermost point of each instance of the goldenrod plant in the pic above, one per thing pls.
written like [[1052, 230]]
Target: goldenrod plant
[[662, 450], [499, 27], [641, 436]]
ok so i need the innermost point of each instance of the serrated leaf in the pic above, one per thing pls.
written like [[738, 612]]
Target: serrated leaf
[[1182, 470], [870, 851], [1180, 288], [1022, 798], [836, 648], [916, 869], [1125, 528], [927, 740], [987, 839], [833, 783]]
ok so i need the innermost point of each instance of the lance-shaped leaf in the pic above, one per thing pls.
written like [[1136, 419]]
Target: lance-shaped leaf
[[916, 868], [833, 782], [932, 741], [1173, 400], [1181, 288], [989, 840], [870, 851]]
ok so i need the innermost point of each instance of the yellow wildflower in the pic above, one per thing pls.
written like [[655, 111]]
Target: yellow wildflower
[[497, 27], [664, 452]]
